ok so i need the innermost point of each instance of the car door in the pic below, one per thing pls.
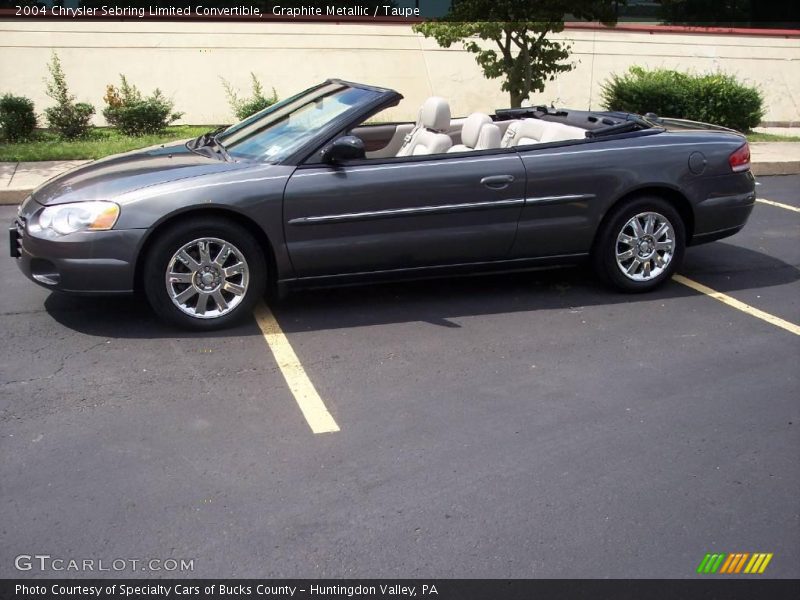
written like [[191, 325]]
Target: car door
[[567, 194], [403, 213]]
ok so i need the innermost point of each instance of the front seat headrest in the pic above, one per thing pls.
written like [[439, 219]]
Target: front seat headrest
[[471, 130], [435, 114]]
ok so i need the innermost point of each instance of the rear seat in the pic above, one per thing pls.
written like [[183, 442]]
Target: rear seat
[[557, 132], [535, 131], [478, 133]]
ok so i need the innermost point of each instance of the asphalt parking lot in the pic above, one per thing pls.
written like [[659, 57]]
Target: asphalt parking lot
[[526, 425]]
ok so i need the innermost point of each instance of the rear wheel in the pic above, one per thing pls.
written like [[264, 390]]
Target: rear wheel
[[641, 245], [204, 274]]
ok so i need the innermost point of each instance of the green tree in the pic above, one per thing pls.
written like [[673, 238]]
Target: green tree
[[520, 51]]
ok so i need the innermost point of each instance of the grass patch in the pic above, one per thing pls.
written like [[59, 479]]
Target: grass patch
[[100, 142], [771, 137]]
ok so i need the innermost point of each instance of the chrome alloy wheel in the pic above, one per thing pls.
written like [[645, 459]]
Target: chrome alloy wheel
[[207, 278], [645, 246]]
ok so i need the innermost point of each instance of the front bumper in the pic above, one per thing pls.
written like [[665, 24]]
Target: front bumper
[[87, 262]]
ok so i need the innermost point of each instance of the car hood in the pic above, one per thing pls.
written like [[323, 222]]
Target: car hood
[[108, 178]]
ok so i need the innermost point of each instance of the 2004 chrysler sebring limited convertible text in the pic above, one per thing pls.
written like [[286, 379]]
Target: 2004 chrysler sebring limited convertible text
[[307, 193]]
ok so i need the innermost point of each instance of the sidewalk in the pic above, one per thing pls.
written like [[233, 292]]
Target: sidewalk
[[775, 158], [17, 180]]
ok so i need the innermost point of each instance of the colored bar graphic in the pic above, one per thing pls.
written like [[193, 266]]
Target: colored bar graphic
[[754, 563], [710, 563], [727, 564], [734, 563], [701, 568], [765, 563], [717, 563], [741, 561]]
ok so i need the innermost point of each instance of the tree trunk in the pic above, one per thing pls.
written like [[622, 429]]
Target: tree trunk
[[516, 99]]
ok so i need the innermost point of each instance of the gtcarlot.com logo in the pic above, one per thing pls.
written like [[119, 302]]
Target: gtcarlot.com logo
[[46, 562], [735, 563]]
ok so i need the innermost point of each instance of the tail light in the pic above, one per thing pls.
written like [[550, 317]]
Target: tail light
[[740, 160]]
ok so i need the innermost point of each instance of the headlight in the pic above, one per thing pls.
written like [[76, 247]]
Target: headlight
[[79, 216]]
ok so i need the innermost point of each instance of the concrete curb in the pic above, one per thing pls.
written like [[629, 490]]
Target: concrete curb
[[784, 167], [13, 196]]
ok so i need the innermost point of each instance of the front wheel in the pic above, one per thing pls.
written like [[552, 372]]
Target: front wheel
[[641, 245], [204, 274]]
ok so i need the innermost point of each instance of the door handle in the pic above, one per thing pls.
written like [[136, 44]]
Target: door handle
[[497, 182]]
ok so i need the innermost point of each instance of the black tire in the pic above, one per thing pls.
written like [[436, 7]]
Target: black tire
[[243, 253], [604, 255]]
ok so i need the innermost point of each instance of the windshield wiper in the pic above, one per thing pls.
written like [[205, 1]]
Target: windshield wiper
[[203, 140], [207, 140], [220, 148]]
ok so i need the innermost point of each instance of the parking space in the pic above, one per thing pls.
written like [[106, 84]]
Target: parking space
[[759, 265], [524, 425]]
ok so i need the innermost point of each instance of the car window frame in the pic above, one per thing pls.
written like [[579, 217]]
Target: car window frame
[[333, 123], [314, 160], [386, 98]]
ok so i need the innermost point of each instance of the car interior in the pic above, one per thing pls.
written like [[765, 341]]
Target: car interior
[[436, 132]]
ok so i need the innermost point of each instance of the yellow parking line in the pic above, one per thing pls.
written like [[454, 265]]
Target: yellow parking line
[[750, 310], [309, 401], [778, 204]]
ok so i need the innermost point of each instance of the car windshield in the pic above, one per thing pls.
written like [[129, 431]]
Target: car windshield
[[276, 132]]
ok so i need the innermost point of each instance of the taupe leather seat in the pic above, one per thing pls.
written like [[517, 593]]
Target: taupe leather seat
[[557, 132], [536, 131], [478, 133], [428, 135], [522, 132]]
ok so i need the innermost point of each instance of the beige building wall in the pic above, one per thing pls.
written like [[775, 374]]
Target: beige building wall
[[187, 59]]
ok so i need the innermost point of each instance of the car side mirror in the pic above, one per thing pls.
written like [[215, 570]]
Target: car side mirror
[[347, 147]]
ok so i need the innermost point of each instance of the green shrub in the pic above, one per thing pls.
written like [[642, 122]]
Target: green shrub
[[70, 121], [717, 98], [68, 118], [17, 119], [244, 107], [136, 115]]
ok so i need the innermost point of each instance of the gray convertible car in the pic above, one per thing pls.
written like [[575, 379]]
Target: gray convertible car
[[316, 190]]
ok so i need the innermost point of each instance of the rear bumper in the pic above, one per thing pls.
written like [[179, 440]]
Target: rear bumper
[[91, 262], [712, 236], [725, 211]]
